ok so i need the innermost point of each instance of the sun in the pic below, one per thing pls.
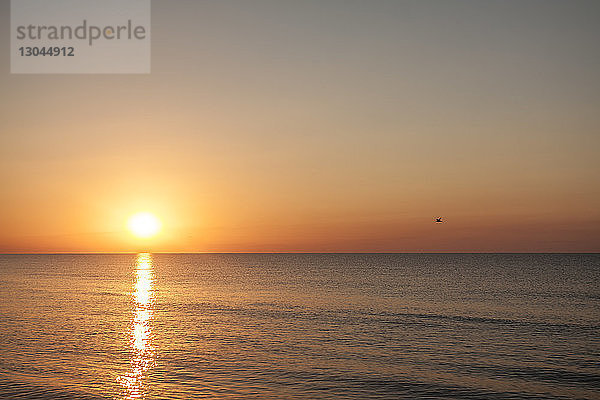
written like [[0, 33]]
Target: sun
[[144, 225]]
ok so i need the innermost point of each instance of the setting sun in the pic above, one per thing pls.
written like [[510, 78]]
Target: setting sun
[[144, 225]]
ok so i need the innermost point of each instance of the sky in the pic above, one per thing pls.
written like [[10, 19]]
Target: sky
[[317, 126]]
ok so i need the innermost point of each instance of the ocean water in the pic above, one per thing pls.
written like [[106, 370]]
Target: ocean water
[[305, 326]]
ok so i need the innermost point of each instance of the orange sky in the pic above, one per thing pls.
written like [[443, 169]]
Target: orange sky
[[312, 126]]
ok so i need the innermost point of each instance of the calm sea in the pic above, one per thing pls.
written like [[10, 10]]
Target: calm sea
[[309, 326]]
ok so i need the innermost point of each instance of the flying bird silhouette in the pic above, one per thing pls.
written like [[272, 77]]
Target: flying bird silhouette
[[438, 220]]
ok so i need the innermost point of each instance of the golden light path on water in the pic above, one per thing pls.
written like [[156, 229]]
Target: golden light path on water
[[141, 339]]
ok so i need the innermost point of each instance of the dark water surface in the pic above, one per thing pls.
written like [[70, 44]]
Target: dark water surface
[[310, 326]]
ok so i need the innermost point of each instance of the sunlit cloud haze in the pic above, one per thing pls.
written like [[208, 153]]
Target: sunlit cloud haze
[[317, 126]]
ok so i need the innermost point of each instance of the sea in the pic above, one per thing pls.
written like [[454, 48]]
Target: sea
[[300, 326]]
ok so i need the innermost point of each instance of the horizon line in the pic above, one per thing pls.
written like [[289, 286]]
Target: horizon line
[[296, 252]]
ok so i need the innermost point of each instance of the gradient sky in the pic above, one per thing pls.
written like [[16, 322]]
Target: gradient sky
[[317, 126]]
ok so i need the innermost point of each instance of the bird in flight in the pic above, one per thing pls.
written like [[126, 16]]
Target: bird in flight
[[438, 220]]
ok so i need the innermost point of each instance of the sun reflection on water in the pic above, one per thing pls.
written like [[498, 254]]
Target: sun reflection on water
[[141, 338]]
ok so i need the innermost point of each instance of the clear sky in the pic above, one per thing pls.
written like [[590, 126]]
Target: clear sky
[[317, 126]]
